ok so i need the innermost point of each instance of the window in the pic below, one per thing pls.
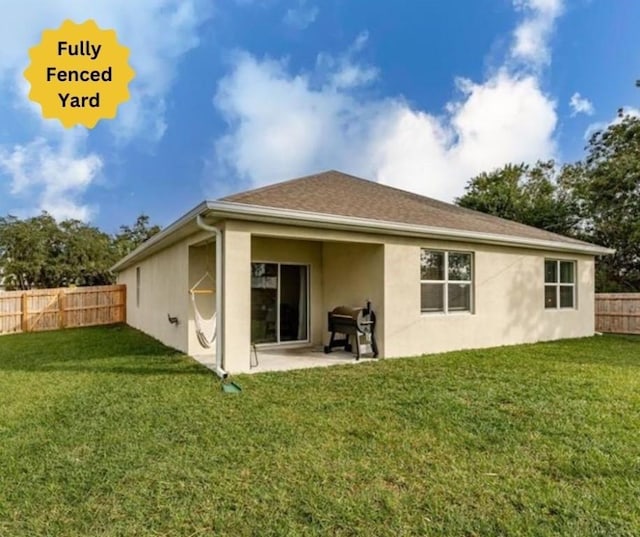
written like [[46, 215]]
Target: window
[[446, 280], [138, 287], [279, 302], [559, 284]]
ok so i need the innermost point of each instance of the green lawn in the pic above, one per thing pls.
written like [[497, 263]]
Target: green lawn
[[103, 431]]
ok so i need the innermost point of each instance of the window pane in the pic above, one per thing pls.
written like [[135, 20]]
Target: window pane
[[431, 265], [566, 296], [264, 302], [264, 275], [566, 272], [550, 271], [550, 297], [459, 266], [459, 297], [432, 297]]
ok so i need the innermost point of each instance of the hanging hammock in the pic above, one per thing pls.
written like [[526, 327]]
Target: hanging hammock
[[204, 327]]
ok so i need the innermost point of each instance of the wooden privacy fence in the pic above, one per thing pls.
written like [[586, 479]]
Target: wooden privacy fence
[[50, 309], [618, 313]]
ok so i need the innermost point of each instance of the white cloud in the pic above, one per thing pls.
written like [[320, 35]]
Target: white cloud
[[531, 36], [283, 127], [157, 32], [301, 16], [580, 105], [343, 71], [54, 174], [284, 124], [505, 119]]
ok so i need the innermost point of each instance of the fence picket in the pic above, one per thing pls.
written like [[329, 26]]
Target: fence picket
[[51, 309], [618, 313]]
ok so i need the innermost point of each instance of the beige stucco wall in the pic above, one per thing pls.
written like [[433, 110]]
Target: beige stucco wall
[[353, 274], [509, 301], [236, 303], [163, 290], [508, 290], [165, 280], [347, 268]]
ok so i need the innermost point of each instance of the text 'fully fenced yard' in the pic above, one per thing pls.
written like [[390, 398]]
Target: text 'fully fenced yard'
[[103, 431]]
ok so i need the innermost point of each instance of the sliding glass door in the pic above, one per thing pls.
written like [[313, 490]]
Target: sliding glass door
[[279, 302]]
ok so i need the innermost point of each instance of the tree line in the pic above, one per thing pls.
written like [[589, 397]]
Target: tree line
[[40, 252], [596, 199]]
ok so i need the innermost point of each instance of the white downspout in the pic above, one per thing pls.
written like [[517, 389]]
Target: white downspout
[[219, 358]]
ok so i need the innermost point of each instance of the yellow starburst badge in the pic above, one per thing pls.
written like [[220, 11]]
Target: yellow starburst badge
[[79, 74]]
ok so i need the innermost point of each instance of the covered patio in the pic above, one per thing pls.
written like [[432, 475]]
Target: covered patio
[[278, 286], [282, 359]]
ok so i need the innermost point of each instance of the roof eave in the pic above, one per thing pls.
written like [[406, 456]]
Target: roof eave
[[328, 221], [160, 237], [242, 211]]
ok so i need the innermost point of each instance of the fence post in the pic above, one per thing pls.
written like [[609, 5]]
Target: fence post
[[62, 321], [123, 300], [25, 314]]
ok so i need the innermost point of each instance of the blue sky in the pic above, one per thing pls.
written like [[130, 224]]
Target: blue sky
[[235, 94]]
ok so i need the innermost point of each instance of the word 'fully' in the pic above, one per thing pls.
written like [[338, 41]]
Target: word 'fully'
[[84, 48]]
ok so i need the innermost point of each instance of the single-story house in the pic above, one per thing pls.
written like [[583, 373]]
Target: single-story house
[[439, 277]]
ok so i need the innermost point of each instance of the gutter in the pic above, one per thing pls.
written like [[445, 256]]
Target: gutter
[[242, 211], [220, 318]]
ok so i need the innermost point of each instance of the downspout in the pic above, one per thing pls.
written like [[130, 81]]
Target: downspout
[[219, 358]]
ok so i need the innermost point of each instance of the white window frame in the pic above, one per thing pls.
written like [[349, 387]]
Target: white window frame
[[558, 284], [445, 282]]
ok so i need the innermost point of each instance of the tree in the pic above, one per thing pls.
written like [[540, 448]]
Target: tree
[[596, 199], [39, 252], [87, 256], [25, 250], [130, 238], [535, 195], [607, 185]]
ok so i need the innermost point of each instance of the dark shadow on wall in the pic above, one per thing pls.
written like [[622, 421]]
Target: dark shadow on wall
[[525, 305]]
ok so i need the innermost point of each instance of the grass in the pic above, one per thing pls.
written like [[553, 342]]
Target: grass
[[105, 432]]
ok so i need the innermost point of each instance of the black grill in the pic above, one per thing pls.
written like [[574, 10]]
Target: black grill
[[356, 323]]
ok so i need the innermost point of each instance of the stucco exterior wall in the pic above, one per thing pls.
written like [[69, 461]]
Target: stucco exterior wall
[[353, 273], [165, 280], [508, 296], [347, 268], [163, 290], [236, 303]]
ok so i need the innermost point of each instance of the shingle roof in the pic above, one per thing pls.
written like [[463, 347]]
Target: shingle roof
[[336, 193]]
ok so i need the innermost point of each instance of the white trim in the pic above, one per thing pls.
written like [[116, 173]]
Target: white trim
[[254, 212], [241, 211], [445, 282], [558, 284]]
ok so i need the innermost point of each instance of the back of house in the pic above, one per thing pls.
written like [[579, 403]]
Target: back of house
[[279, 258]]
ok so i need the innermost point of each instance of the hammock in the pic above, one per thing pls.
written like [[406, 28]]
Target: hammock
[[203, 326]]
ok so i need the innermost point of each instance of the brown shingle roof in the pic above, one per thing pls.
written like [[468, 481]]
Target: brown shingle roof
[[336, 193]]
